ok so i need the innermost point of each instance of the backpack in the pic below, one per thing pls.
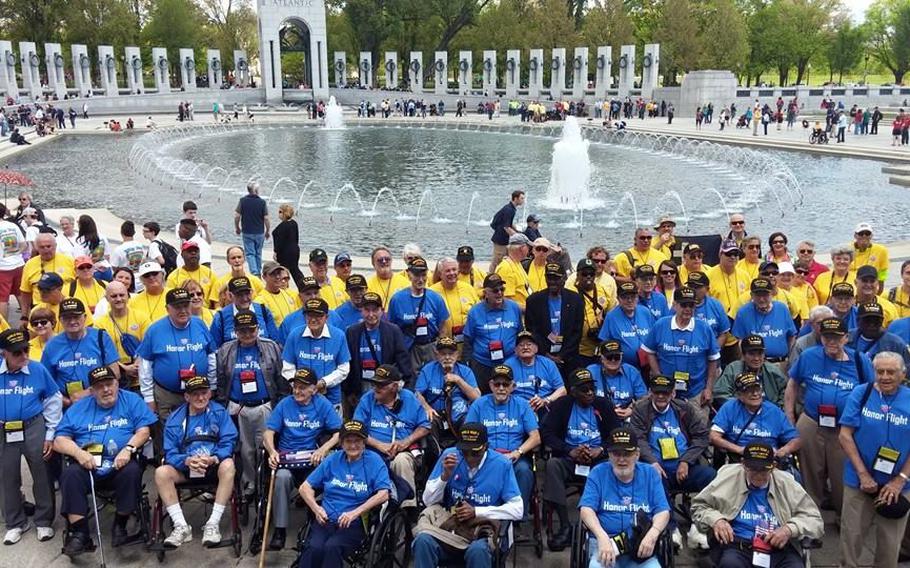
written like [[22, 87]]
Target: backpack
[[169, 253]]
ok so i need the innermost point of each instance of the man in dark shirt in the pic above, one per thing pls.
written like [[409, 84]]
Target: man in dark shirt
[[532, 230], [251, 220], [502, 225]]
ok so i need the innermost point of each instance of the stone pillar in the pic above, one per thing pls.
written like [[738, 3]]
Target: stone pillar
[[650, 69], [162, 70], [134, 78], [31, 68], [557, 72], [535, 73], [187, 69], [365, 65], [8, 81], [700, 86], [340, 64], [626, 70], [391, 70], [580, 72], [56, 72], [604, 78], [465, 72], [441, 72], [415, 71], [489, 73], [107, 65], [513, 72], [241, 68], [82, 69], [214, 68]]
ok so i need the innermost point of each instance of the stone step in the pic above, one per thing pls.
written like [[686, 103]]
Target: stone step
[[900, 180]]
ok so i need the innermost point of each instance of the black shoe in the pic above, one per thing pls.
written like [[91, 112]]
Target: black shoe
[[278, 538], [561, 540], [119, 535], [77, 543]]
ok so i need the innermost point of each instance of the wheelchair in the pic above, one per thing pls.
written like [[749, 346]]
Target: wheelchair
[[261, 495], [536, 515], [501, 554], [806, 546], [663, 549]]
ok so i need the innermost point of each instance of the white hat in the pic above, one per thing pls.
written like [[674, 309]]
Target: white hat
[[149, 268], [785, 267], [862, 227]]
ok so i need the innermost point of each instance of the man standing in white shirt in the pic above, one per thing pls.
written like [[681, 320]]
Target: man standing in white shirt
[[66, 238], [187, 231]]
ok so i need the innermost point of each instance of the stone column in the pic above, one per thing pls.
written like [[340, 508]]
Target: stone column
[[107, 65], [241, 68], [134, 78], [415, 71], [365, 64], [441, 72], [82, 69], [214, 68], [187, 69], [513, 72], [535, 73], [650, 69], [465, 72], [31, 68], [604, 78], [580, 72], [56, 72], [162, 70], [8, 81], [557, 72], [626, 70], [700, 86], [340, 64], [489, 73], [391, 70]]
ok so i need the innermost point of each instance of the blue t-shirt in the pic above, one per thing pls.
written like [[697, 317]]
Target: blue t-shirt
[[683, 351], [882, 421], [554, 307], [388, 425], [346, 315], [541, 378], [247, 362], [403, 312], [298, 426], [70, 360], [770, 426], [657, 304], [712, 312], [431, 386], [616, 503], [87, 423], [508, 425], [630, 332], [171, 349], [253, 211], [622, 388], [497, 326], [756, 512], [828, 381], [850, 319], [582, 427], [493, 484], [210, 433], [222, 329], [901, 328], [293, 321], [666, 425], [322, 354], [370, 338], [347, 485], [776, 327], [23, 392]]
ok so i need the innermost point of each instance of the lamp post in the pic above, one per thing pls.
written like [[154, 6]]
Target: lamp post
[[866, 70]]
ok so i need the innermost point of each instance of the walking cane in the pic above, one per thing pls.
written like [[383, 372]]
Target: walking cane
[[268, 514], [91, 479]]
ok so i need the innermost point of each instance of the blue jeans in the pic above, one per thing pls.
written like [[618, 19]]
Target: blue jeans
[[525, 476], [328, 545], [623, 561], [428, 553], [252, 249], [700, 476]]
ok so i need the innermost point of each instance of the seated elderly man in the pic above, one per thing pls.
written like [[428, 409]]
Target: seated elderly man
[[445, 387], [395, 423], [101, 433], [574, 430], [615, 494], [470, 484], [756, 513], [199, 440], [772, 378]]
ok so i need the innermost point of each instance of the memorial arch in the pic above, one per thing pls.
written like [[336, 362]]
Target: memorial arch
[[293, 27]]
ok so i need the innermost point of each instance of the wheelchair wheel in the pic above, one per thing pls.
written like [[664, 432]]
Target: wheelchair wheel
[[390, 545], [579, 558], [144, 514], [238, 544], [664, 550]]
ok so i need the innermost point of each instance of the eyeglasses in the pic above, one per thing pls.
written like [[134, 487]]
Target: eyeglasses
[[644, 238], [806, 251], [541, 249], [731, 254], [500, 385], [668, 273], [802, 272], [198, 294], [88, 267], [40, 323], [737, 222], [498, 289], [687, 305]]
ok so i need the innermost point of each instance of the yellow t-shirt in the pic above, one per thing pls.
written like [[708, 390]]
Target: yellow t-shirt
[[901, 301], [202, 275], [334, 293], [666, 248], [751, 269], [36, 348], [89, 296], [153, 306], [207, 316], [282, 304], [825, 282], [889, 309], [62, 264], [536, 277], [476, 274], [58, 328], [782, 296], [727, 288], [876, 255], [684, 272], [799, 299], [386, 288], [807, 293], [134, 323], [625, 267], [458, 301], [608, 283], [513, 275], [256, 282], [4, 325], [593, 317]]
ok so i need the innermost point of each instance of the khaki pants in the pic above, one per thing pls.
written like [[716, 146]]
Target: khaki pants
[[821, 459], [405, 466], [858, 521], [250, 426], [499, 252], [166, 402], [420, 356]]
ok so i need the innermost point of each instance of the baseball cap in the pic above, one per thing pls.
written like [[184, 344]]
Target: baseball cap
[[533, 218], [502, 371], [355, 281], [622, 440], [354, 428], [465, 253], [870, 309], [519, 239], [196, 383], [13, 340], [417, 265], [83, 260], [371, 298], [472, 437], [586, 264], [753, 342], [627, 289], [758, 456], [100, 374], [385, 374], [305, 375], [189, 245], [843, 289], [662, 383], [239, 284], [446, 343], [860, 227], [72, 307], [896, 510], [645, 271], [832, 326], [760, 286], [697, 280], [308, 283], [766, 265], [493, 281], [177, 296], [693, 247], [745, 381], [684, 294], [666, 219], [245, 319], [341, 257], [316, 306], [150, 267], [866, 272], [785, 267], [581, 376], [270, 267], [610, 347], [554, 269], [49, 281], [318, 255], [729, 245], [525, 335]]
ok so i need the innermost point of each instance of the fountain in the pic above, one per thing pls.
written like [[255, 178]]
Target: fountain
[[467, 223], [423, 196], [308, 185], [346, 187], [372, 212], [570, 171], [334, 115]]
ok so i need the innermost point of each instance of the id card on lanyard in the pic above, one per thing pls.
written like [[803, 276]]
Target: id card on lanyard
[[827, 415], [248, 382], [367, 366], [14, 430]]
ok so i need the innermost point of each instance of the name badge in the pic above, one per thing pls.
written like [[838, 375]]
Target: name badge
[[620, 544], [582, 470], [15, 431], [682, 380], [496, 352], [96, 450], [761, 550], [73, 387], [555, 343], [248, 383], [886, 460], [458, 333], [368, 368], [668, 449], [196, 474], [421, 327], [827, 415]]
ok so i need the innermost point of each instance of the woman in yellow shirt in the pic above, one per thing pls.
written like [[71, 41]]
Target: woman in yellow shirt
[[198, 301], [900, 295], [668, 279], [41, 323], [85, 287]]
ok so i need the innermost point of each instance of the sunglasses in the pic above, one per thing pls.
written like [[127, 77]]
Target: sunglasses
[[196, 295], [687, 305], [668, 273], [737, 222], [40, 323], [865, 233], [384, 260], [541, 249], [599, 260], [806, 251], [612, 357], [648, 238], [500, 385], [770, 273], [731, 254], [802, 272], [753, 247], [499, 289]]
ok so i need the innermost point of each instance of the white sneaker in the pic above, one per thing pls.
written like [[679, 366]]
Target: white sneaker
[[696, 539], [211, 535], [676, 537], [180, 534], [45, 534], [15, 535]]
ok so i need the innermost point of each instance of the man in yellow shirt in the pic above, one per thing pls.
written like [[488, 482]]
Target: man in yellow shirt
[[85, 287], [597, 305], [693, 261], [467, 272], [236, 260], [459, 297], [640, 253], [276, 296], [751, 261], [126, 328], [601, 259], [513, 274], [192, 270], [728, 283], [47, 260], [867, 292], [867, 253], [383, 281], [344, 266], [151, 300], [540, 250], [665, 239]]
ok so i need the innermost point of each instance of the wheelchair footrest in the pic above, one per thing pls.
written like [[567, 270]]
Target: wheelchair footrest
[[225, 542], [131, 540]]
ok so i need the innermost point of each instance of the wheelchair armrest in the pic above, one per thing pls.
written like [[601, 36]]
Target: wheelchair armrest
[[809, 543]]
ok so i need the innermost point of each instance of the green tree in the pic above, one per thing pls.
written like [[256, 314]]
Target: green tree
[[32, 20], [844, 50], [677, 32], [230, 25], [173, 24], [608, 23], [725, 37], [888, 26]]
